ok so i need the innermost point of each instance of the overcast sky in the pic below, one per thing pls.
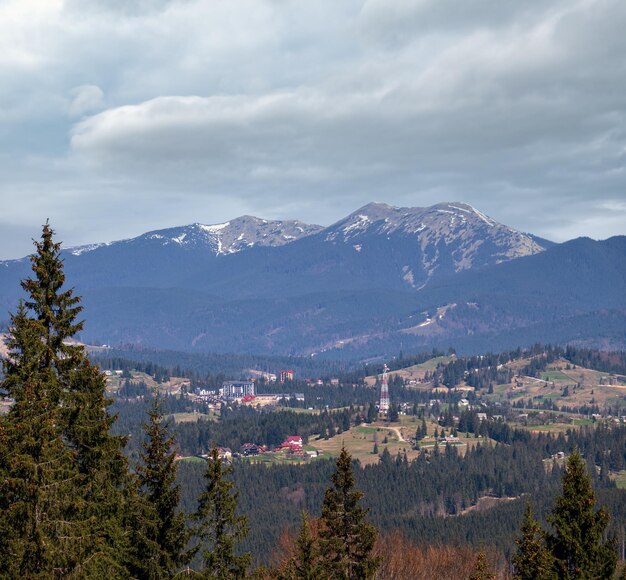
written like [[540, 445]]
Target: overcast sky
[[117, 120]]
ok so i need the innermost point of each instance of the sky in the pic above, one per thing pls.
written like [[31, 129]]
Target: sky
[[121, 117]]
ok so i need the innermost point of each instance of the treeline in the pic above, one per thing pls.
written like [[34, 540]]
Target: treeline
[[479, 371], [608, 362], [69, 504], [72, 506], [232, 366], [242, 425], [429, 499], [482, 371]]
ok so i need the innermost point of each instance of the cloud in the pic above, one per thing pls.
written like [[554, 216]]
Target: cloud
[[307, 110], [86, 99]]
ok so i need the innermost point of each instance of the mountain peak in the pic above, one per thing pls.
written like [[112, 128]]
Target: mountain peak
[[452, 233], [219, 239], [456, 207]]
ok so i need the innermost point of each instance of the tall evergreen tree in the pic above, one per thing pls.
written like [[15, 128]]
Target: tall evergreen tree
[[482, 568], [533, 560], [577, 542], [39, 532], [346, 538], [167, 531], [219, 529], [305, 563], [53, 379]]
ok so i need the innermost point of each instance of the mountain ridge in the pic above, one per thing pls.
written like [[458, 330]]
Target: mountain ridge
[[378, 279], [224, 238]]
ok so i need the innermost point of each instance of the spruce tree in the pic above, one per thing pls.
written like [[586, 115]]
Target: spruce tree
[[166, 529], [304, 565], [532, 561], [482, 568], [39, 532], [219, 529], [53, 380], [346, 538], [577, 542]]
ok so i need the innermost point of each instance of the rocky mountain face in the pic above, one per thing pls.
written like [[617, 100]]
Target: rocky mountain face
[[443, 239], [220, 239], [381, 278]]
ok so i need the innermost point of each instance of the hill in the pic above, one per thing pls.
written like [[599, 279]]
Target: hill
[[378, 280]]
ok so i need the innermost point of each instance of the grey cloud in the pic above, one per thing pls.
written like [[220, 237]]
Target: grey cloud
[[86, 99], [395, 22], [307, 110]]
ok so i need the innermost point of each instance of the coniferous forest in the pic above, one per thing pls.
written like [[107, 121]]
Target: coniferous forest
[[84, 494]]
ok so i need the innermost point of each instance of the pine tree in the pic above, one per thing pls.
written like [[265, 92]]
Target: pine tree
[[166, 531], [55, 309], [37, 471], [305, 563], [577, 542], [532, 561], [218, 526], [482, 569], [55, 381], [346, 538]]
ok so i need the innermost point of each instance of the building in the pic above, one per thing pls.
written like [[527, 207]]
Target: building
[[237, 389], [248, 449], [288, 396], [224, 453], [292, 445], [293, 441], [285, 375]]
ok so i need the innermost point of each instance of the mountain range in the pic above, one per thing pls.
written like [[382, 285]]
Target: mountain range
[[381, 279]]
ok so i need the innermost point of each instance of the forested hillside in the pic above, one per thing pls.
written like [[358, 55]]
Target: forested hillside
[[86, 493], [381, 279]]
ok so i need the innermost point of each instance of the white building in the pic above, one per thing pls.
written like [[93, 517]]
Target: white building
[[237, 389]]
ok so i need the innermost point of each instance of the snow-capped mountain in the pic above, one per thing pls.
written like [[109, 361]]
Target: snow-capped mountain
[[377, 246], [220, 239], [381, 276], [450, 234]]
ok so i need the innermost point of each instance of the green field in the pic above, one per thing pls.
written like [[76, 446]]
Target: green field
[[620, 479], [555, 376], [284, 458], [192, 417], [193, 459], [552, 427], [431, 365]]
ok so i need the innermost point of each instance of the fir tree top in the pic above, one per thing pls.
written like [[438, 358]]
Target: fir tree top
[[577, 542]]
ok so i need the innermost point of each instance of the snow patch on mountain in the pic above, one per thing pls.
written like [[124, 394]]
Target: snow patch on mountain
[[455, 231], [78, 250], [212, 229]]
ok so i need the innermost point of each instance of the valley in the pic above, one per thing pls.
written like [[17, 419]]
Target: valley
[[465, 438]]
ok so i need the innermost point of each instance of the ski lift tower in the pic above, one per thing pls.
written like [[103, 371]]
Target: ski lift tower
[[384, 392]]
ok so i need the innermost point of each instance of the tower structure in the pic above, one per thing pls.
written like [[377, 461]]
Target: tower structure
[[384, 392]]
